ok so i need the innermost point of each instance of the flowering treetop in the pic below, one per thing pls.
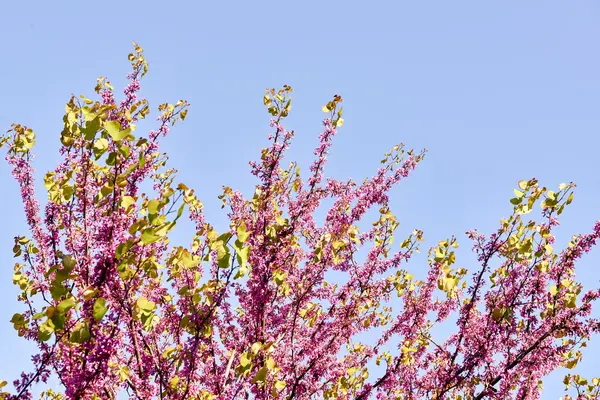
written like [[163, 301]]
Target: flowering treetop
[[114, 307]]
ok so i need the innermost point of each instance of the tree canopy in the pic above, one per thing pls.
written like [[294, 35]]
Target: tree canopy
[[252, 312]]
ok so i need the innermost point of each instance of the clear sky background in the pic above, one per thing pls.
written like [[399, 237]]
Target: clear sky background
[[496, 91]]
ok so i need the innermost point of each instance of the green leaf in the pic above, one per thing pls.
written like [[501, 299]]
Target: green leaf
[[153, 206], [100, 147], [91, 127], [165, 228], [242, 271], [127, 201], [68, 263], [99, 309], [39, 315], [279, 276], [501, 313], [147, 316], [107, 189], [123, 248], [242, 253], [189, 260], [89, 293], [224, 261], [179, 212], [256, 347], [45, 330], [49, 180], [145, 305], [224, 237], [571, 300], [57, 290], [58, 321], [439, 254], [149, 237], [279, 385], [65, 305], [242, 233], [447, 283], [125, 151], [125, 272], [18, 320], [80, 333], [266, 99], [114, 130], [184, 290], [570, 198], [523, 185], [67, 191], [260, 376], [88, 114], [245, 359], [111, 159]]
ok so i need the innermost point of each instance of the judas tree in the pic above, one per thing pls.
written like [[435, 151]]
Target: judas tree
[[252, 311]]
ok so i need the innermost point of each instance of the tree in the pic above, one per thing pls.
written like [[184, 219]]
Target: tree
[[250, 312]]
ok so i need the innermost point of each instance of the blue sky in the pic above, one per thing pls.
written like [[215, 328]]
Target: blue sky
[[496, 91]]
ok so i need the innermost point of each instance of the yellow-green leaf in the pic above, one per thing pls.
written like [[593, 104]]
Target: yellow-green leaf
[[65, 306], [149, 237], [114, 130], [99, 309], [523, 185], [260, 376]]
